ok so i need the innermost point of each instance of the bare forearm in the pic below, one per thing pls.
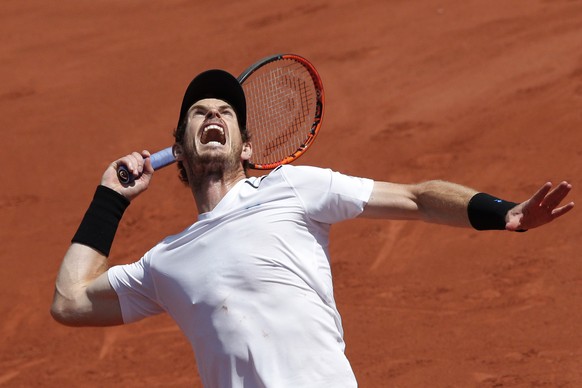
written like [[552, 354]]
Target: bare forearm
[[443, 202]]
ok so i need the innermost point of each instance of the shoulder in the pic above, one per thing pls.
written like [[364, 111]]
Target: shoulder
[[303, 175], [309, 176]]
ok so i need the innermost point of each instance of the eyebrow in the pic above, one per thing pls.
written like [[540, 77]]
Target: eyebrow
[[204, 107]]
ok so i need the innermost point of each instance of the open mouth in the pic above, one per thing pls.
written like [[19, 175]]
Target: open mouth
[[213, 133]]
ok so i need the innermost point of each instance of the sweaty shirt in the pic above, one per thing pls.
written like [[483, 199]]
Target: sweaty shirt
[[250, 285]]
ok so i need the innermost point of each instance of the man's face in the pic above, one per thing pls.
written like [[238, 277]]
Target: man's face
[[213, 135]]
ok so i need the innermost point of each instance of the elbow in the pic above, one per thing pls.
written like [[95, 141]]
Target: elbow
[[65, 313], [58, 315], [61, 314]]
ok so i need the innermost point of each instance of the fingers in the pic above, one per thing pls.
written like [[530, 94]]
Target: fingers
[[542, 207], [127, 170], [545, 207], [539, 196], [135, 162], [553, 199], [562, 210], [147, 162]]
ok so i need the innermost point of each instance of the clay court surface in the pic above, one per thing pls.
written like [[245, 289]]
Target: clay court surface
[[484, 93]]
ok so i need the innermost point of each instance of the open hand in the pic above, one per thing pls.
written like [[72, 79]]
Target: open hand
[[540, 209]]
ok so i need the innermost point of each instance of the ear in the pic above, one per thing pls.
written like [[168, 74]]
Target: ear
[[247, 151], [178, 152]]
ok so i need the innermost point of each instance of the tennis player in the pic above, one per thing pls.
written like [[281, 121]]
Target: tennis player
[[249, 282]]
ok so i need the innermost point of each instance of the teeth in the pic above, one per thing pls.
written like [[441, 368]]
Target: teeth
[[213, 126]]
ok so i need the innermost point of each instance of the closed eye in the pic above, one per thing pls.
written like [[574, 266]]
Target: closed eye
[[196, 111], [227, 111]]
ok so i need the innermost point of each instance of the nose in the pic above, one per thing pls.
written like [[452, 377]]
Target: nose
[[212, 113]]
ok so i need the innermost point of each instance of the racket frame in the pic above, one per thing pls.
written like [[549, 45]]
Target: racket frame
[[319, 106]]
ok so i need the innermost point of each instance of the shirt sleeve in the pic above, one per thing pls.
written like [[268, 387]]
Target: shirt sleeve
[[135, 289], [329, 196]]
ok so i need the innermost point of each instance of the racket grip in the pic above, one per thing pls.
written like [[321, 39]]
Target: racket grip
[[158, 160]]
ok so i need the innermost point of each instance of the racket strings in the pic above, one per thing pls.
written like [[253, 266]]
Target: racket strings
[[282, 99], [301, 111]]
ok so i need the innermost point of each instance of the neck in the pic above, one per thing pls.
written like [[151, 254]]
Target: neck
[[209, 190]]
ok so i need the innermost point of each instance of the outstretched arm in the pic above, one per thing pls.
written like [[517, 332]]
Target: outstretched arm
[[452, 204], [83, 295]]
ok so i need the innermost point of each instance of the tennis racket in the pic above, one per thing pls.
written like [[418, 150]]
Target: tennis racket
[[285, 102]]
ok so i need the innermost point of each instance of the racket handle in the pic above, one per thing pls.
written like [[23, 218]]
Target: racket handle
[[159, 159]]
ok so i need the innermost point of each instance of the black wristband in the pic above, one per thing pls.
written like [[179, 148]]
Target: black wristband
[[487, 212], [100, 222]]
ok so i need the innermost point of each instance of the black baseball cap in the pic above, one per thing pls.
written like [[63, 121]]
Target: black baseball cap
[[218, 84]]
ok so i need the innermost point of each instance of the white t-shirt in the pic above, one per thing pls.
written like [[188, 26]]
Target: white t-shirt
[[250, 282]]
